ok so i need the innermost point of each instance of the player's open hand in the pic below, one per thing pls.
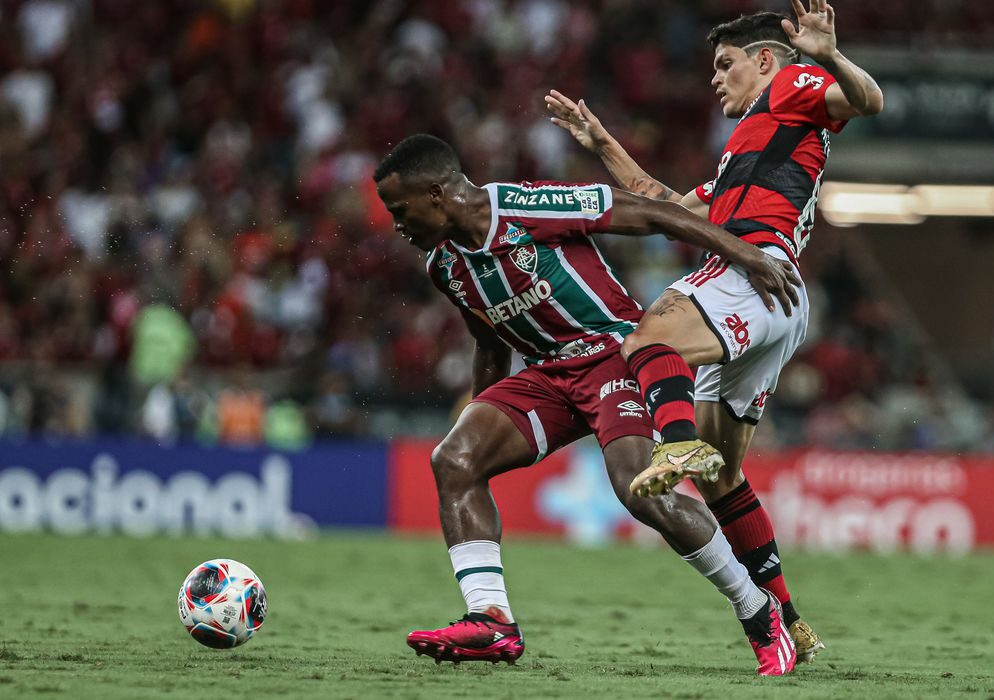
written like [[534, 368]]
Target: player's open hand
[[815, 33], [772, 277], [578, 120]]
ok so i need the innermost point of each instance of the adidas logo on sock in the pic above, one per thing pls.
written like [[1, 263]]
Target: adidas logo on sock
[[498, 636], [770, 563]]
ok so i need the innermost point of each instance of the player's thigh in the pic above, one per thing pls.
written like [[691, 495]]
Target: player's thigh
[[625, 458], [675, 320], [732, 437], [484, 442], [608, 399], [514, 423]]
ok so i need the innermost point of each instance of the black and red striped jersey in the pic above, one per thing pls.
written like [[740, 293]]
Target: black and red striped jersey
[[769, 175]]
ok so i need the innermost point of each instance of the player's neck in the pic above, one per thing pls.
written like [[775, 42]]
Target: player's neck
[[472, 218], [763, 83]]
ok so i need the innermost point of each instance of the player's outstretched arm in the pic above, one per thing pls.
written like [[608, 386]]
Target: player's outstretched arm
[[491, 357], [586, 128], [769, 276], [855, 93]]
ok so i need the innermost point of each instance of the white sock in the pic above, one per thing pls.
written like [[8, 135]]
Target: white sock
[[480, 575], [718, 565]]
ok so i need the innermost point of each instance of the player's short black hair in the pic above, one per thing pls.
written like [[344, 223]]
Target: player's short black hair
[[419, 155], [760, 28]]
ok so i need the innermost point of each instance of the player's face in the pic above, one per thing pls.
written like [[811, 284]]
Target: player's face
[[416, 209], [736, 80]]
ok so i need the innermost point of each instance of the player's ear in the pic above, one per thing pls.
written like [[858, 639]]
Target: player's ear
[[767, 61], [436, 193]]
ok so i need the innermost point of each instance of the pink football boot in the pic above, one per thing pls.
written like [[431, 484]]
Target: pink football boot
[[476, 637]]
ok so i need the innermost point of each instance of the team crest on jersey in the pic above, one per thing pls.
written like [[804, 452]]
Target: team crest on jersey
[[525, 258], [515, 232]]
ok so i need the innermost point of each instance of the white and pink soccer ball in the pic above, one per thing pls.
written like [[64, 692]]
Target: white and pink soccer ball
[[222, 603]]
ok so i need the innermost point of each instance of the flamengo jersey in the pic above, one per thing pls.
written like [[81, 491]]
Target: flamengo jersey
[[539, 280], [768, 179]]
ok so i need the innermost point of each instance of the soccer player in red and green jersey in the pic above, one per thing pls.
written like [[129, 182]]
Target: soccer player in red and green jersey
[[765, 192], [517, 261]]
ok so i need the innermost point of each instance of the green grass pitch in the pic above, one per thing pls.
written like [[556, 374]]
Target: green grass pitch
[[95, 617]]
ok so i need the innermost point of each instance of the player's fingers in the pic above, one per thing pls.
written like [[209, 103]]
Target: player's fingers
[[788, 299], [831, 14], [795, 298], [764, 294], [788, 28], [798, 8], [791, 273], [565, 101], [558, 110], [585, 111], [784, 298]]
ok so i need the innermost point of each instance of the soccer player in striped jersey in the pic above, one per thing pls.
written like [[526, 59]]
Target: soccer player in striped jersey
[[765, 193], [517, 261]]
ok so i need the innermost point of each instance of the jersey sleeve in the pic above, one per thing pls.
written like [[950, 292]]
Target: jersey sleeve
[[555, 210], [798, 95], [705, 192]]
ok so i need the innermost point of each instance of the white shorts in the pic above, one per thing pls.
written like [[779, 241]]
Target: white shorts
[[757, 342]]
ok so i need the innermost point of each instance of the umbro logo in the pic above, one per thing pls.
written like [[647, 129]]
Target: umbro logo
[[455, 285], [631, 408]]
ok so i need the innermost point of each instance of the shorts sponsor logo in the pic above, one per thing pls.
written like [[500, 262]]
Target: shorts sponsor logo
[[455, 285], [631, 408], [516, 305], [525, 258], [760, 400], [739, 330], [618, 385]]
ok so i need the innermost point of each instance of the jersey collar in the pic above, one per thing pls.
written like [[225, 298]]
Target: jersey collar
[[491, 189]]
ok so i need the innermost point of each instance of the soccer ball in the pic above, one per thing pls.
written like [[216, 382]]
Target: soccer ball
[[222, 603]]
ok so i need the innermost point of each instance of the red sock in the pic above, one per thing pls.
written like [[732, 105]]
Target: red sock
[[668, 388], [750, 532]]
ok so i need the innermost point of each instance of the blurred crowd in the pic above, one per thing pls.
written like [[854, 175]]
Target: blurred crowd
[[191, 245]]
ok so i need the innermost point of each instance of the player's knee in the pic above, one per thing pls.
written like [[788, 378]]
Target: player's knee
[[632, 342], [729, 478], [642, 509], [452, 465]]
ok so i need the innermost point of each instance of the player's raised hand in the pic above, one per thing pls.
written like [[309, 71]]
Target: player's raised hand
[[772, 277], [815, 33], [578, 120]]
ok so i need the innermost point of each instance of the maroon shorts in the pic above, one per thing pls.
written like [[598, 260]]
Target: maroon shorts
[[556, 403]]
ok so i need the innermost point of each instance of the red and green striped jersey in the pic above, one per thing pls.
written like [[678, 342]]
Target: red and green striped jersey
[[539, 280]]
